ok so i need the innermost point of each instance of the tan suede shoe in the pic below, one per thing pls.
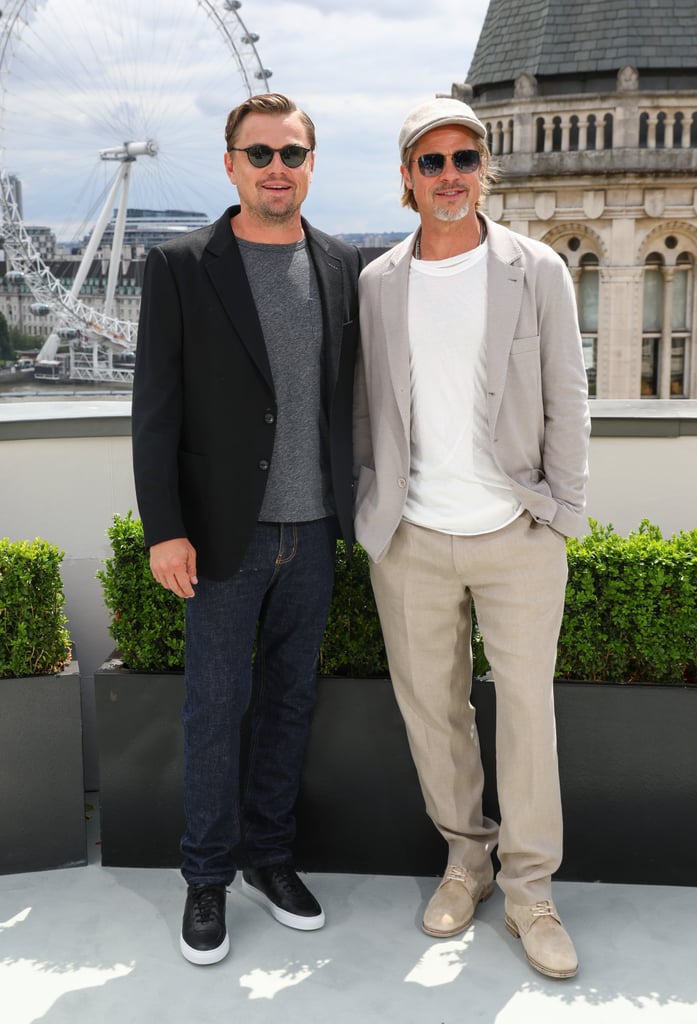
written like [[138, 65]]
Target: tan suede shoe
[[545, 940], [452, 905]]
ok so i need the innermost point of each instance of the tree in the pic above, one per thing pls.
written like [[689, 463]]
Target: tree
[[7, 350]]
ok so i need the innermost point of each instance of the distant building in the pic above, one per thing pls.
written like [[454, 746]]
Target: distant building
[[22, 311], [147, 228], [375, 240], [591, 112], [16, 184], [43, 240], [143, 230]]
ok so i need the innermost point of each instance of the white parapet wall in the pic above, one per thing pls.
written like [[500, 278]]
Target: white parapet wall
[[643, 459]]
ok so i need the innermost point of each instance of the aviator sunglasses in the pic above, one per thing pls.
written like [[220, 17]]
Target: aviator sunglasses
[[260, 155], [465, 160]]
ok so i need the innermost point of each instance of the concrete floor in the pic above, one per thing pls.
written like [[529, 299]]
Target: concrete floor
[[101, 945]]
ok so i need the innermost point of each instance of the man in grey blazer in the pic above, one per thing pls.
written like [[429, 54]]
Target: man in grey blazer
[[242, 408], [471, 430]]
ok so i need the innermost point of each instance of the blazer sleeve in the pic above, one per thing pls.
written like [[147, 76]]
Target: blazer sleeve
[[157, 409], [565, 401]]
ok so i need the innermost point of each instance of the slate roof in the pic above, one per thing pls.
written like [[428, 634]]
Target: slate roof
[[572, 37]]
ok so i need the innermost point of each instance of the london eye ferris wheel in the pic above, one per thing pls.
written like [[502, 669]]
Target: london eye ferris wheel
[[106, 104]]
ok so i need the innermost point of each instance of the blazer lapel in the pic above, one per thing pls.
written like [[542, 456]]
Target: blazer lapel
[[504, 297], [223, 262], [330, 282], [395, 327]]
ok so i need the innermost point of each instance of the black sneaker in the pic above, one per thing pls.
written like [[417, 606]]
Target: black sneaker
[[204, 938], [278, 888]]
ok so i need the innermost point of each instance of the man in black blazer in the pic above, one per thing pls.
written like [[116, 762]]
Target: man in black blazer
[[242, 457]]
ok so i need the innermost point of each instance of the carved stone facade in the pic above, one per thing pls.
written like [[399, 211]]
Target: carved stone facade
[[604, 169]]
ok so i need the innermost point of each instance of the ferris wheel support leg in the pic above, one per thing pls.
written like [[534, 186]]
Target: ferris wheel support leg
[[117, 244], [97, 234]]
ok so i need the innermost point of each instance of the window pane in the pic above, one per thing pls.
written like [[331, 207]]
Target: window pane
[[649, 367], [677, 368], [653, 299], [588, 300], [680, 300], [590, 346]]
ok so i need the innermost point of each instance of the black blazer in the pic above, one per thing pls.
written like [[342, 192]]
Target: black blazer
[[204, 410]]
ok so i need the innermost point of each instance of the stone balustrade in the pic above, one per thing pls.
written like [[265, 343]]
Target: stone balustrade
[[593, 128]]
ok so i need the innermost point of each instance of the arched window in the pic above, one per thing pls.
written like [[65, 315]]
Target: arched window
[[661, 130], [540, 135], [607, 131], [590, 136], [574, 133], [556, 135], [667, 337], [499, 138], [643, 131]]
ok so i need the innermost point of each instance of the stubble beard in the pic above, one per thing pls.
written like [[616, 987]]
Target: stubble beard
[[450, 215], [267, 212]]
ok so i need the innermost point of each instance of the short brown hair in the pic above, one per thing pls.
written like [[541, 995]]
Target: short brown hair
[[266, 103], [487, 174]]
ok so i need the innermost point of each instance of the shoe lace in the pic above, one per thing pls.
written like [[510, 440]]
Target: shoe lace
[[455, 873], [545, 908], [206, 903], [286, 878]]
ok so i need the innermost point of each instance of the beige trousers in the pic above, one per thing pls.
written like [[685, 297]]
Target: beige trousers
[[424, 588]]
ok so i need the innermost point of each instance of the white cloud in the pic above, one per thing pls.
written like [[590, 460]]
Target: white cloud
[[88, 74]]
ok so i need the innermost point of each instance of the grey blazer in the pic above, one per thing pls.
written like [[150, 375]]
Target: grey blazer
[[537, 395]]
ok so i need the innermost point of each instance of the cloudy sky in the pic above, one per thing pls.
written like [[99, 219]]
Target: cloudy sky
[[81, 75]]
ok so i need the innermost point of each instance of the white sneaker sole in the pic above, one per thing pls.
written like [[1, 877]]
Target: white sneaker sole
[[303, 924], [202, 957]]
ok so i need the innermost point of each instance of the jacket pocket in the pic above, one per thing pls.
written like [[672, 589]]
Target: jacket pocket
[[519, 346]]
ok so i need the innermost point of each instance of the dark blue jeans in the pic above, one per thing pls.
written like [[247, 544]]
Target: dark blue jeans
[[281, 595]]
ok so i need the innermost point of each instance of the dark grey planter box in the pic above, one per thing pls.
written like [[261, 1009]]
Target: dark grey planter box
[[628, 768], [360, 807], [140, 745], [42, 798], [628, 765]]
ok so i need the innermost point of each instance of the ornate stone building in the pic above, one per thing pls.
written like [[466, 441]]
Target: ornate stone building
[[591, 109]]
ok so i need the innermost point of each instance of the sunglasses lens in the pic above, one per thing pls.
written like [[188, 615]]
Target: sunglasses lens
[[260, 156], [431, 164], [293, 156], [466, 160]]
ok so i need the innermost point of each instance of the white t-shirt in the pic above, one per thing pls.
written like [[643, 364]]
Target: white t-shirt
[[455, 485]]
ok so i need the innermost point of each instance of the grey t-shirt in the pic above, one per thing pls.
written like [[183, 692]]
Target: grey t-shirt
[[284, 286]]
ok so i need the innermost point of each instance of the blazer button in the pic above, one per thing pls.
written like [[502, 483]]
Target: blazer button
[[269, 417], [402, 482], [263, 464]]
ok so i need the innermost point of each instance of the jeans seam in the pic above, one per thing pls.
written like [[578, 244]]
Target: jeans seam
[[280, 560]]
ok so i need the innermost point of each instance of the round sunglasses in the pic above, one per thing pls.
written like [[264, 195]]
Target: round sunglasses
[[465, 161], [260, 155]]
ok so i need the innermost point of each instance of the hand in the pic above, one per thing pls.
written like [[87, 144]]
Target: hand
[[173, 564]]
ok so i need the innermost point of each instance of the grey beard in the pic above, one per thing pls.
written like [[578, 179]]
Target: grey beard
[[451, 215]]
